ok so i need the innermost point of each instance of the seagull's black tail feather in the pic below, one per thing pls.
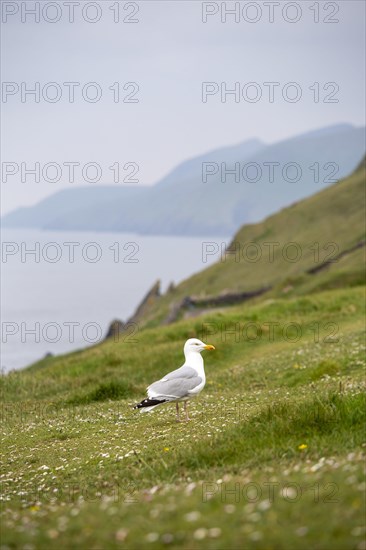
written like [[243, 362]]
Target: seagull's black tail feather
[[150, 403]]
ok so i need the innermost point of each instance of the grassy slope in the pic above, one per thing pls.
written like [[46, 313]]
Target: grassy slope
[[280, 423], [335, 215], [81, 469]]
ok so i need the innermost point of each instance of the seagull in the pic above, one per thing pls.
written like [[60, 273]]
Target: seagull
[[180, 384]]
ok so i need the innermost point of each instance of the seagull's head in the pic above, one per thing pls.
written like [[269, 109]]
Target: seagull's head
[[193, 345]]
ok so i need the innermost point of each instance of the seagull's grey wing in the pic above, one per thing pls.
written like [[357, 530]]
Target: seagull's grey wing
[[174, 389], [176, 384], [182, 372]]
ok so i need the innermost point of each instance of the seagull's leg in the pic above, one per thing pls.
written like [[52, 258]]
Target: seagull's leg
[[186, 410], [177, 408]]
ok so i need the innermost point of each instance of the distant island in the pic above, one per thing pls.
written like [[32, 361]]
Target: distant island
[[193, 199]]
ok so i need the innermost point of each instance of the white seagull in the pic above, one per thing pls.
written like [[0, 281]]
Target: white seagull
[[180, 384]]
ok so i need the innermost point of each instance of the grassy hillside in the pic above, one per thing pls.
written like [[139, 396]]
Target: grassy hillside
[[274, 454], [322, 227], [272, 457]]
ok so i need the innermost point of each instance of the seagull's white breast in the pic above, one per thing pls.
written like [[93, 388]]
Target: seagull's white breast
[[195, 361]]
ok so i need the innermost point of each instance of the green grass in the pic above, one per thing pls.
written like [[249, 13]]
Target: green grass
[[112, 390], [272, 458]]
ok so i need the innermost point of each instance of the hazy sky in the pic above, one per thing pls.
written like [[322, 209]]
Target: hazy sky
[[168, 52]]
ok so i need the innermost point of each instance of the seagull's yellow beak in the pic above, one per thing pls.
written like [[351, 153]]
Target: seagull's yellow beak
[[209, 347]]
